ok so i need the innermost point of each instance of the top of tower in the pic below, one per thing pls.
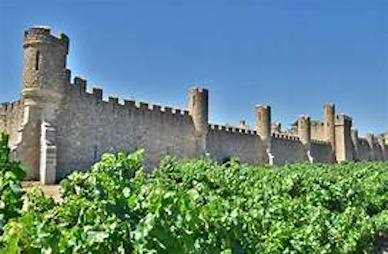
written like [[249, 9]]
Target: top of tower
[[42, 34], [329, 104], [304, 117], [264, 106], [199, 89]]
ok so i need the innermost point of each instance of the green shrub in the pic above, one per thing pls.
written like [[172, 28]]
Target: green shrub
[[11, 175]]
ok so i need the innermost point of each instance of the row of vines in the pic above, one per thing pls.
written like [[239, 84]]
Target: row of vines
[[197, 206]]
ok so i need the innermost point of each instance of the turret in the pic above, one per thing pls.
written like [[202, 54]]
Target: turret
[[263, 129], [329, 126], [304, 133], [343, 142], [199, 111], [263, 122], [44, 66], [44, 80]]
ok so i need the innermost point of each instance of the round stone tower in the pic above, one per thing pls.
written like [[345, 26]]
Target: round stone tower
[[44, 80], [329, 126], [199, 111], [304, 133], [44, 66], [263, 129], [263, 122]]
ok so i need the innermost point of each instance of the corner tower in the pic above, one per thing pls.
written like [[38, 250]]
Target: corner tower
[[44, 65], [44, 80], [199, 111]]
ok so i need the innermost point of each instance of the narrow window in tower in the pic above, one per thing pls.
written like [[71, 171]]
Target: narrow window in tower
[[37, 60]]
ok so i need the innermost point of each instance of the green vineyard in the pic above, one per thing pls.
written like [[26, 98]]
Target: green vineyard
[[197, 206]]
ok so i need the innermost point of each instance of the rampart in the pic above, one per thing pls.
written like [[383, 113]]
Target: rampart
[[58, 125], [92, 126], [224, 142]]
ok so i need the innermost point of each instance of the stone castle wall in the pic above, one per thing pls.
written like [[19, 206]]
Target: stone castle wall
[[287, 149], [89, 126], [364, 151], [224, 142], [320, 151], [59, 126], [11, 118]]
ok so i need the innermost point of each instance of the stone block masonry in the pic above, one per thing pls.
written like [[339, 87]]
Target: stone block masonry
[[58, 125]]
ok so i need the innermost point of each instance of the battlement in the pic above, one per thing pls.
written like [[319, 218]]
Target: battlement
[[231, 129], [284, 136], [304, 117], [42, 34], [80, 84], [199, 90], [8, 107], [264, 106], [329, 104], [342, 118], [97, 92]]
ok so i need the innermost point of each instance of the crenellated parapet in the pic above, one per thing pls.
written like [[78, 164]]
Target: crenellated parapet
[[285, 136], [42, 35], [10, 107], [44, 67], [371, 147], [79, 88], [231, 129]]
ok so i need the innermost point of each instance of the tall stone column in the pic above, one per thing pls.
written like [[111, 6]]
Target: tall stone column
[[199, 111], [304, 133], [343, 141], [263, 128], [329, 127]]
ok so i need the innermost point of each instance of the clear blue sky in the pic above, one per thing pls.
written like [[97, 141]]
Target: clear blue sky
[[292, 54]]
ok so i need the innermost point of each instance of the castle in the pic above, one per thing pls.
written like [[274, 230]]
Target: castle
[[57, 126]]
